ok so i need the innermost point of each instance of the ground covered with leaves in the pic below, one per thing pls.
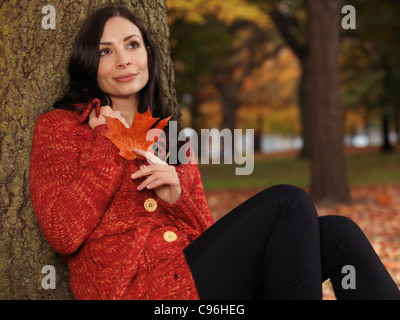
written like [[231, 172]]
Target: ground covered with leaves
[[376, 209]]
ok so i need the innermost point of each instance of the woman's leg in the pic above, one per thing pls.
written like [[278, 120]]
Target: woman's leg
[[268, 247], [344, 244], [273, 246]]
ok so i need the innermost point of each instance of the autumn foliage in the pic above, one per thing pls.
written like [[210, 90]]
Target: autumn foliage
[[135, 137]]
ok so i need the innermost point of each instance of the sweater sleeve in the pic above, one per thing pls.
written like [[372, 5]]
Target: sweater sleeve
[[70, 195], [192, 206]]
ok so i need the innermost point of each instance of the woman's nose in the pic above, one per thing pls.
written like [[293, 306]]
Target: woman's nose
[[123, 60]]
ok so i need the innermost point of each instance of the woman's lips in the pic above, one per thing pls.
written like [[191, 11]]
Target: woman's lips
[[126, 77]]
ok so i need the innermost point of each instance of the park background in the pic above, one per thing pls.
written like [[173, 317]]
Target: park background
[[248, 65], [323, 101]]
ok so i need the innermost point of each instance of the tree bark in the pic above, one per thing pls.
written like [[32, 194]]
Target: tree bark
[[397, 124], [328, 172], [385, 106], [385, 129], [33, 64]]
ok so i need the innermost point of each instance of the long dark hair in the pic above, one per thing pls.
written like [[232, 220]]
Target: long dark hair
[[84, 62]]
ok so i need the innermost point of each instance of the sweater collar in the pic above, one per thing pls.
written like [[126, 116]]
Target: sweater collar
[[85, 108]]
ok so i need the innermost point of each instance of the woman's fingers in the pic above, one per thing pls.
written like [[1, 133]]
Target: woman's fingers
[[153, 181], [157, 175], [151, 169], [109, 112], [162, 179], [151, 158]]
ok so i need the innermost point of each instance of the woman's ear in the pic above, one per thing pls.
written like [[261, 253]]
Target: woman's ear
[[148, 48]]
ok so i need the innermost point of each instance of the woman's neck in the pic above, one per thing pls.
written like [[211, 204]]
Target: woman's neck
[[126, 106]]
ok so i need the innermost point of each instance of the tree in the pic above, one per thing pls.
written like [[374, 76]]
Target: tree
[[33, 63], [380, 29], [376, 39], [289, 20], [228, 40], [228, 78], [328, 172]]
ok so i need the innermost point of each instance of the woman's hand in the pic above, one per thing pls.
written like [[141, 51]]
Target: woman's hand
[[106, 111], [161, 177]]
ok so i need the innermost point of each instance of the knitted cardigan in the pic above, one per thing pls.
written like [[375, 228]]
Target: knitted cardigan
[[90, 211]]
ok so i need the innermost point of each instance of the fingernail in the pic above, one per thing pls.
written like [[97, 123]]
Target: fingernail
[[133, 175]]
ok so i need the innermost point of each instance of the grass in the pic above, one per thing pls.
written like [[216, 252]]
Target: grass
[[365, 167]]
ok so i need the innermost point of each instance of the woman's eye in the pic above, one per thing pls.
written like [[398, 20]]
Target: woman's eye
[[134, 44], [104, 52]]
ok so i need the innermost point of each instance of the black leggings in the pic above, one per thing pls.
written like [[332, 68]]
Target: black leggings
[[274, 246]]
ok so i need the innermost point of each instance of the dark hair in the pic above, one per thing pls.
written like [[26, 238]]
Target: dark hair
[[84, 62]]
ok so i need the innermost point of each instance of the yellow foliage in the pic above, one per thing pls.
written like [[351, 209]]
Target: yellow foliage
[[356, 119], [194, 11], [270, 96], [275, 82], [210, 115], [186, 117], [285, 121], [269, 93]]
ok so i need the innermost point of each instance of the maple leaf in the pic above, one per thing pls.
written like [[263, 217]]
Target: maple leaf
[[128, 139]]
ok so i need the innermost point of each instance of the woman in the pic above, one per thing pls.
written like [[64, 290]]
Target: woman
[[132, 231]]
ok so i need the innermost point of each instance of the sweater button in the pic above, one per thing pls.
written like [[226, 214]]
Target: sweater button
[[150, 205], [170, 236]]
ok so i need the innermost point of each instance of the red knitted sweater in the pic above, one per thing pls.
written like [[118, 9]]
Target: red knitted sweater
[[90, 211]]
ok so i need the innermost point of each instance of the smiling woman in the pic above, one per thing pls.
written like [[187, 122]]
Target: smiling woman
[[122, 70], [133, 231], [97, 49], [84, 197]]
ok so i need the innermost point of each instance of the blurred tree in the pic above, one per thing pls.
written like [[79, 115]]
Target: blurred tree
[[328, 172], [377, 29], [269, 99], [227, 41], [360, 84], [376, 37], [227, 77], [312, 30], [290, 18]]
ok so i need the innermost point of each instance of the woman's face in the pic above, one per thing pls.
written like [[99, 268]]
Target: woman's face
[[123, 70]]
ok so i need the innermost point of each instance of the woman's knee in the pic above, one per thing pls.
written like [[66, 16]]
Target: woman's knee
[[290, 198], [338, 225], [340, 232], [290, 195]]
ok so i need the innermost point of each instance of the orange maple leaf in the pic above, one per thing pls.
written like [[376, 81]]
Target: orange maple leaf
[[128, 139], [383, 199]]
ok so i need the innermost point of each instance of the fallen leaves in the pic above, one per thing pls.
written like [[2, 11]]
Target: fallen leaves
[[376, 209], [383, 199]]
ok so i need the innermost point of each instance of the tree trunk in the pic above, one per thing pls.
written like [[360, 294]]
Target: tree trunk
[[33, 62], [385, 129], [328, 172], [305, 126], [288, 26], [229, 106], [397, 124], [385, 106]]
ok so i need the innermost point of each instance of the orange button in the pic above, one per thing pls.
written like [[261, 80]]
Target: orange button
[[150, 205], [170, 236]]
